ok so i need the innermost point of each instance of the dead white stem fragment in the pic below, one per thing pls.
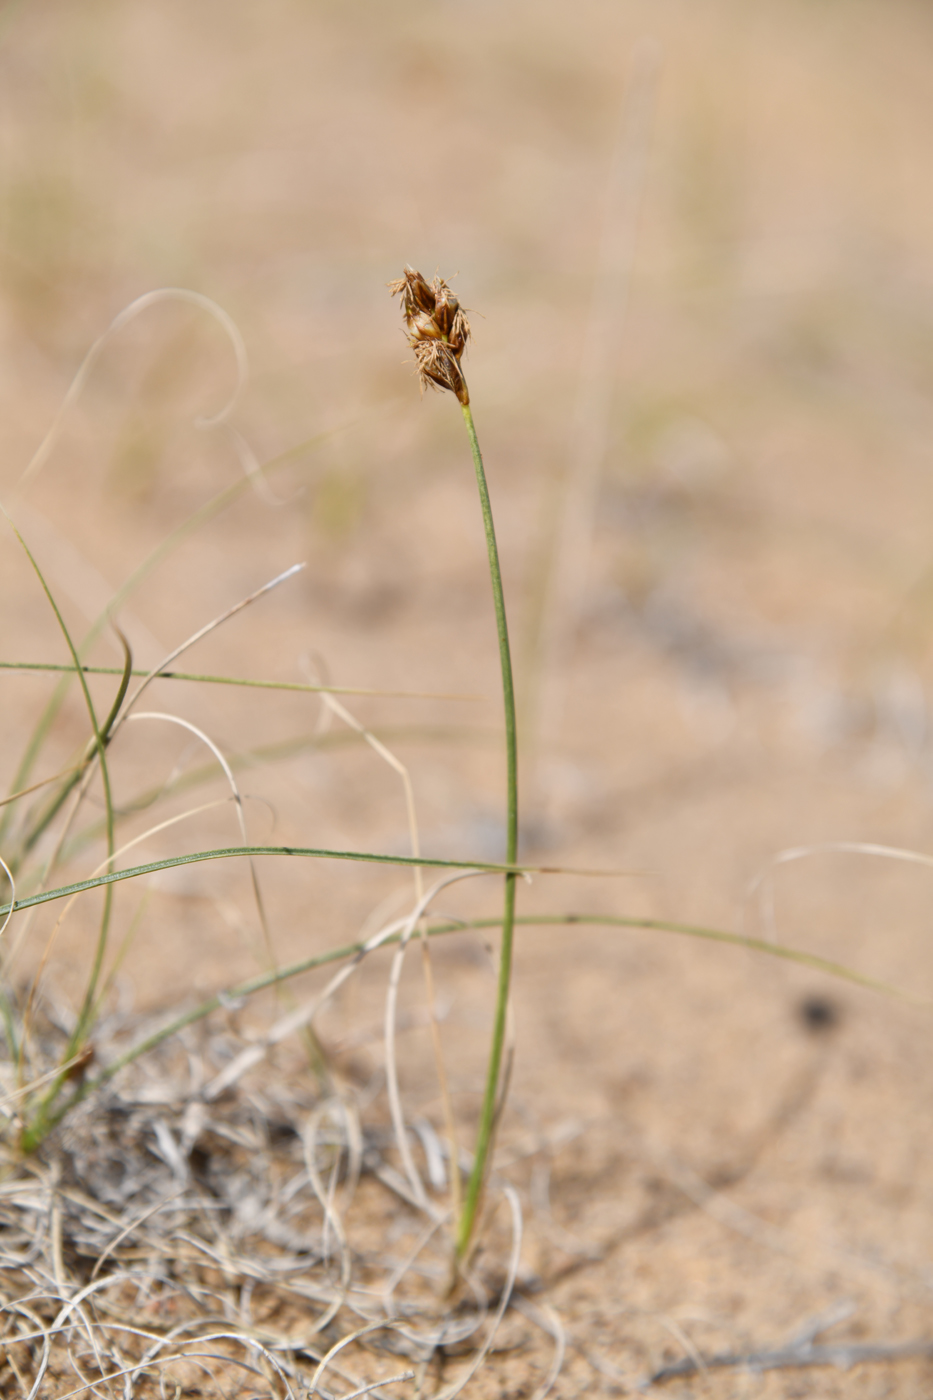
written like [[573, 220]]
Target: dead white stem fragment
[[128, 314]]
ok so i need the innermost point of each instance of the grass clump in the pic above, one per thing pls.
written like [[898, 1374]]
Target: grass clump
[[124, 1177], [169, 1206]]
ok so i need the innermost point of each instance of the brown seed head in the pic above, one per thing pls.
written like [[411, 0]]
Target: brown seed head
[[437, 331]]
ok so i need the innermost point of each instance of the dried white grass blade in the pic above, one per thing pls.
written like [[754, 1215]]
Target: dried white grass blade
[[332, 1219], [55, 1236], [43, 782], [252, 469], [46, 1336], [515, 1207], [589, 436], [354, 1148], [130, 1229], [201, 633], [395, 1278], [763, 884], [680, 1336], [548, 1320], [331, 704], [137, 840], [375, 1385], [339, 1347], [856, 848], [58, 1325], [392, 1085], [89, 1330], [162, 826], [128, 314], [41, 1333], [248, 1342], [209, 743], [396, 899], [806, 1334], [296, 1019], [433, 1153], [394, 763], [9, 875], [241, 815]]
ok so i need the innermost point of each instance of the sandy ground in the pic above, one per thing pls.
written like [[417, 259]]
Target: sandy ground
[[697, 247]]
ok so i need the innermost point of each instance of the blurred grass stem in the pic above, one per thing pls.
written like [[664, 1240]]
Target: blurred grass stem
[[561, 597]]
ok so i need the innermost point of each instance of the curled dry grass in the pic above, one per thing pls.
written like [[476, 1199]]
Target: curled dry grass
[[176, 1233]]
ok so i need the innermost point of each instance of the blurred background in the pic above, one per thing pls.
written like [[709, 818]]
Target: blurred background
[[696, 246]]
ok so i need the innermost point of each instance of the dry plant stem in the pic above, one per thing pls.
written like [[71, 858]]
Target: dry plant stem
[[450, 1127], [335, 707], [194, 777], [564, 589], [487, 1120]]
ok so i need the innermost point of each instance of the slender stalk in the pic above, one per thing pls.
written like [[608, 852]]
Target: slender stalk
[[487, 1120], [31, 1138], [233, 680], [113, 877], [438, 331], [72, 779]]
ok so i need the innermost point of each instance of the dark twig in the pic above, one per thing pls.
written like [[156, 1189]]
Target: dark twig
[[842, 1355]]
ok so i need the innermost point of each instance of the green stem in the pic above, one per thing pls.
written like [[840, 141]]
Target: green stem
[[58, 800], [234, 680], [98, 745], [132, 872], [488, 1112], [32, 1136]]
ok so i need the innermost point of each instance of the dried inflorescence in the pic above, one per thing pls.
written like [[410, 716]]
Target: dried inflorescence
[[437, 330]]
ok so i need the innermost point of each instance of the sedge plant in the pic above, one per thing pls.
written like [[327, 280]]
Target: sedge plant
[[438, 331], [45, 823]]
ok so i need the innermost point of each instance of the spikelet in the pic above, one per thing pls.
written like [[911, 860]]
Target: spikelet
[[437, 331]]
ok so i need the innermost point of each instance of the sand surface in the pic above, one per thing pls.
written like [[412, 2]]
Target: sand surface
[[696, 243]]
